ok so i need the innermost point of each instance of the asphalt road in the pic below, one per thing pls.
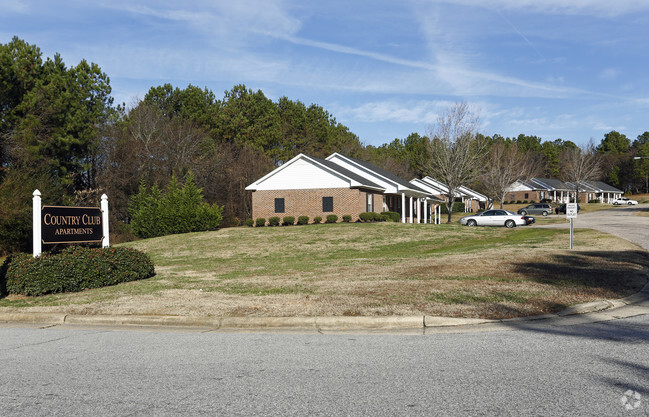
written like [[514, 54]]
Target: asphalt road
[[618, 221], [537, 368]]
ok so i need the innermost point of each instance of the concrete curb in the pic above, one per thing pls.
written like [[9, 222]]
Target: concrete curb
[[332, 323]]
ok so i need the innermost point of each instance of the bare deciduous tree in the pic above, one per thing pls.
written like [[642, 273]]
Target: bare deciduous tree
[[581, 164], [504, 165], [455, 152]]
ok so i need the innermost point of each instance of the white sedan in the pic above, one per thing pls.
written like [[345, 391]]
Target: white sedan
[[496, 218], [624, 201]]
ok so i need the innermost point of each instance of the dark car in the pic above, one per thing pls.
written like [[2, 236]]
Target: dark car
[[541, 208], [529, 220], [562, 209]]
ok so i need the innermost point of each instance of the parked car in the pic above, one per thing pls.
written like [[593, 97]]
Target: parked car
[[624, 201], [543, 209], [562, 209], [496, 218], [529, 220]]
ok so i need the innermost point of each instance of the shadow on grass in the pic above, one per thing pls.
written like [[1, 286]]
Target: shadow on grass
[[615, 272]]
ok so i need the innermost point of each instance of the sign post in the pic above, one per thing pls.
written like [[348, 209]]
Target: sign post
[[571, 213], [36, 220]]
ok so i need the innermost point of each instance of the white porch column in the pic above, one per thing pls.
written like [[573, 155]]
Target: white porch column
[[411, 213], [403, 208], [439, 214], [104, 219], [419, 210], [425, 210], [36, 221]]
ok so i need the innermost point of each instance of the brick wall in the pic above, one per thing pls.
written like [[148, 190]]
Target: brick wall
[[309, 203]]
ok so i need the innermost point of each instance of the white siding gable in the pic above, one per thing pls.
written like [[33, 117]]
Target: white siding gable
[[518, 186], [302, 174]]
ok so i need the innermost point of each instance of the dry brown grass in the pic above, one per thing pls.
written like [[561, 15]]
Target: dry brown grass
[[367, 270]]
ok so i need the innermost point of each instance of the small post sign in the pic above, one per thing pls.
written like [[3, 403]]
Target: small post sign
[[571, 213]]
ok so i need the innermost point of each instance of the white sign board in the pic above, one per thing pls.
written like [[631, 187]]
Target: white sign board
[[571, 211]]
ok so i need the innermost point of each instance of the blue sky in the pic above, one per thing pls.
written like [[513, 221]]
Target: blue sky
[[573, 70]]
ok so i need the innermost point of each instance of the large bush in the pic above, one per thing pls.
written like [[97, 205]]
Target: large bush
[[75, 269], [393, 215], [176, 210]]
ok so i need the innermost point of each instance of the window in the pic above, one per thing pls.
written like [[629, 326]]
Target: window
[[327, 204], [279, 205], [370, 202], [527, 196]]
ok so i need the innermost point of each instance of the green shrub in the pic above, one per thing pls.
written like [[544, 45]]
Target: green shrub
[[332, 218], [302, 220], [393, 215], [273, 221], [250, 222], [347, 218], [317, 219], [288, 221], [532, 201], [593, 201], [74, 269], [385, 218], [519, 202], [260, 222], [365, 217], [524, 201], [457, 208], [176, 210]]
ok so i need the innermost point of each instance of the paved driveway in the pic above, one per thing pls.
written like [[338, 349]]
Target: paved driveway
[[620, 221]]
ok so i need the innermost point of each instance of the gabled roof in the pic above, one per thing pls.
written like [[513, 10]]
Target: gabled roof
[[550, 184], [354, 180], [473, 194], [603, 187], [344, 171], [583, 187], [380, 172], [430, 189]]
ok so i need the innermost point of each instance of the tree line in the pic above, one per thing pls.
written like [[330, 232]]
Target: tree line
[[61, 133]]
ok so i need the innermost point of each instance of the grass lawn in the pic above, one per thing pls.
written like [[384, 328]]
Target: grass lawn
[[366, 269]]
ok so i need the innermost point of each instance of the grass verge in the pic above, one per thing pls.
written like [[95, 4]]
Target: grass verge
[[366, 269]]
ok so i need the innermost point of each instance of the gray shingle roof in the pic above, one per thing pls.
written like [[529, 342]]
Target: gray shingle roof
[[386, 174], [552, 183], [600, 185]]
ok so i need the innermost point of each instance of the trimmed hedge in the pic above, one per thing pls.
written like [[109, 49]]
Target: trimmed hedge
[[302, 220], [288, 221], [273, 221], [260, 222], [332, 218], [250, 222], [74, 269], [317, 219], [347, 218], [392, 215]]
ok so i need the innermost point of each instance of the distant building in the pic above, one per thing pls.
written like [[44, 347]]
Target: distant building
[[341, 185], [556, 191]]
